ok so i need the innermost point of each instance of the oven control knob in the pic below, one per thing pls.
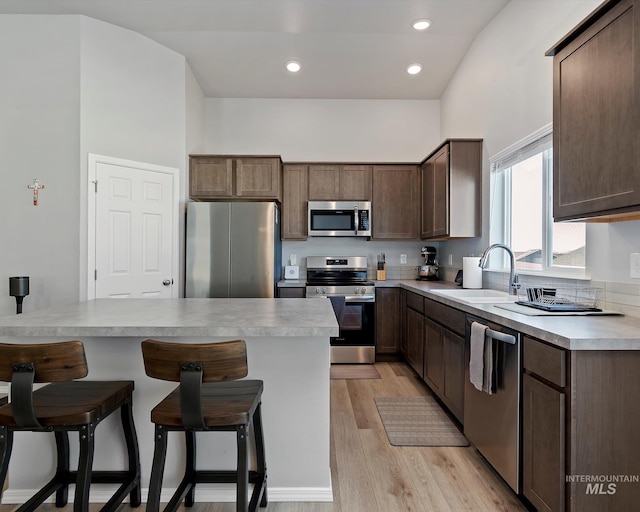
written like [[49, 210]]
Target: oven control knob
[[364, 290], [317, 290], [324, 290]]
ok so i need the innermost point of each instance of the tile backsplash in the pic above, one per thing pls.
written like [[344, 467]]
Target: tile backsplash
[[622, 297]]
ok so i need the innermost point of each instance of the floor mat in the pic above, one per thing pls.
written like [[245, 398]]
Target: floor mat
[[417, 421]]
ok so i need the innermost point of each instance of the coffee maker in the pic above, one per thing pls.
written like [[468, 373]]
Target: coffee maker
[[429, 270]]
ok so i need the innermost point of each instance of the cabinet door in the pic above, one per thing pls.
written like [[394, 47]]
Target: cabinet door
[[543, 445], [415, 341], [355, 182], [596, 98], [294, 202], [395, 202], [434, 356], [210, 177], [323, 182], [258, 178], [454, 366], [426, 221], [387, 320], [441, 192]]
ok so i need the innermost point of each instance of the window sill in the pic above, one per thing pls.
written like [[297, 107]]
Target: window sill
[[574, 274]]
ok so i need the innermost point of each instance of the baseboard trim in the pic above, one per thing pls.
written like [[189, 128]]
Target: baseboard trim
[[203, 495]]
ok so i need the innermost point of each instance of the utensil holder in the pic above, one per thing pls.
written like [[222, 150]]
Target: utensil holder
[[382, 272]]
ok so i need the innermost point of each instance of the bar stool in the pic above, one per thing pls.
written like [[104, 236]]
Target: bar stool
[[66, 405], [208, 399]]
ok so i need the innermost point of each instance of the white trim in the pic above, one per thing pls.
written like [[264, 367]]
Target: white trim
[[497, 161], [203, 495], [94, 160]]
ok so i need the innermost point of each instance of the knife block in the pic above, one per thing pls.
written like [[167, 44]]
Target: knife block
[[382, 272]]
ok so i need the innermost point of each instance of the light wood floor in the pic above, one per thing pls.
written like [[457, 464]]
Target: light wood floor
[[370, 475]]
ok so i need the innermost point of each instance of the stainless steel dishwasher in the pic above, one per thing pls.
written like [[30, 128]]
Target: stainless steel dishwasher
[[492, 421]]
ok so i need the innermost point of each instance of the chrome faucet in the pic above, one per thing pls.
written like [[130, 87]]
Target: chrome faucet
[[513, 277]]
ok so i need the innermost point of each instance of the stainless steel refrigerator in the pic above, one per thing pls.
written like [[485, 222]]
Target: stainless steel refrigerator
[[233, 249]]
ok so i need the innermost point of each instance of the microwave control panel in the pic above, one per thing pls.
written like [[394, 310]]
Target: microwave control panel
[[363, 220]]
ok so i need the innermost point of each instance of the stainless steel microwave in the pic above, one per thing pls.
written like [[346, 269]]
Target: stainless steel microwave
[[339, 218]]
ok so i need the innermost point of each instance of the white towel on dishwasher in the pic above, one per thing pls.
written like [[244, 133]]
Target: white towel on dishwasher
[[477, 356]]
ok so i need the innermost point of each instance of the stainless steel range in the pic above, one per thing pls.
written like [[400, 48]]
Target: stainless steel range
[[344, 281]]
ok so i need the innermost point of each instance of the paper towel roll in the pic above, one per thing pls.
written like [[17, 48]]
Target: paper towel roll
[[471, 272]]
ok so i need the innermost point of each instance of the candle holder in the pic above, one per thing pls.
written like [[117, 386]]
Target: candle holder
[[19, 288]]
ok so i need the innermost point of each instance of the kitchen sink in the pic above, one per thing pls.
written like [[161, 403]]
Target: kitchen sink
[[480, 296]]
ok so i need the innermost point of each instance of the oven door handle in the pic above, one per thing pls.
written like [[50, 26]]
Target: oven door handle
[[500, 336], [358, 298]]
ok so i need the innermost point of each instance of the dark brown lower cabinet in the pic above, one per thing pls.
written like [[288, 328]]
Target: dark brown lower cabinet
[[543, 445], [292, 292], [581, 428], [454, 363], [433, 356], [415, 340], [387, 321]]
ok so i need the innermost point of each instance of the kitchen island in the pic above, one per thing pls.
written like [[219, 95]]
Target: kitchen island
[[287, 347]]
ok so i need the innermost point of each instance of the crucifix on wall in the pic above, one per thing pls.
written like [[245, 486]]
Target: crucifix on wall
[[35, 187]]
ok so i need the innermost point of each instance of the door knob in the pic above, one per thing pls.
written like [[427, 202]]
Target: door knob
[[166, 282]]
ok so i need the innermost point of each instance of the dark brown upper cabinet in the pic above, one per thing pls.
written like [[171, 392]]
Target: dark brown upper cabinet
[[214, 177], [339, 182], [294, 202], [451, 182], [395, 203], [596, 116]]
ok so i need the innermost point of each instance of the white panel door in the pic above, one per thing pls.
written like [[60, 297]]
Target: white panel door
[[133, 232]]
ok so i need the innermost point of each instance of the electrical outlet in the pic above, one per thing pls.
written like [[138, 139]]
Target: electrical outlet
[[634, 265], [450, 259], [403, 259]]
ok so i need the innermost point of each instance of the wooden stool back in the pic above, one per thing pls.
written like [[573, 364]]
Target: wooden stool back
[[53, 362], [220, 362]]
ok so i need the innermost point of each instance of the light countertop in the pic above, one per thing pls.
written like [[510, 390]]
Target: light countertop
[[177, 317], [569, 332]]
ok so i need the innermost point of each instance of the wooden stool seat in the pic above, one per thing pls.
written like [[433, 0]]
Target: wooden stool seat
[[223, 403], [66, 405], [73, 403], [209, 399]]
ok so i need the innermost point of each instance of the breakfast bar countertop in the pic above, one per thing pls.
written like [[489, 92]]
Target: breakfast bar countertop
[[177, 317], [288, 348]]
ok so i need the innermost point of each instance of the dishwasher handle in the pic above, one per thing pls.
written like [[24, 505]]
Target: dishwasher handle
[[501, 336]]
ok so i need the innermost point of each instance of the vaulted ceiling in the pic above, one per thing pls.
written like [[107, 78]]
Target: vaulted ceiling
[[349, 49]]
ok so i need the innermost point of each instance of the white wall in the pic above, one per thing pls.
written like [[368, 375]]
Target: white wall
[[324, 130], [72, 86], [39, 137], [502, 92], [195, 108], [328, 131], [132, 105]]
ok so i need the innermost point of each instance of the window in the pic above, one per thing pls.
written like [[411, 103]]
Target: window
[[521, 210]]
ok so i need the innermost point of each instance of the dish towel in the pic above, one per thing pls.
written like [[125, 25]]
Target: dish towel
[[481, 358]]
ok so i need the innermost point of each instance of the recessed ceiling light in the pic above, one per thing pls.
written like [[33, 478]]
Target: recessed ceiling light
[[294, 66], [414, 69], [422, 24]]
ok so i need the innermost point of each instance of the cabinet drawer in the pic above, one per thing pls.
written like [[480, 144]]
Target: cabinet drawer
[[292, 293], [415, 301], [548, 362], [450, 317]]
